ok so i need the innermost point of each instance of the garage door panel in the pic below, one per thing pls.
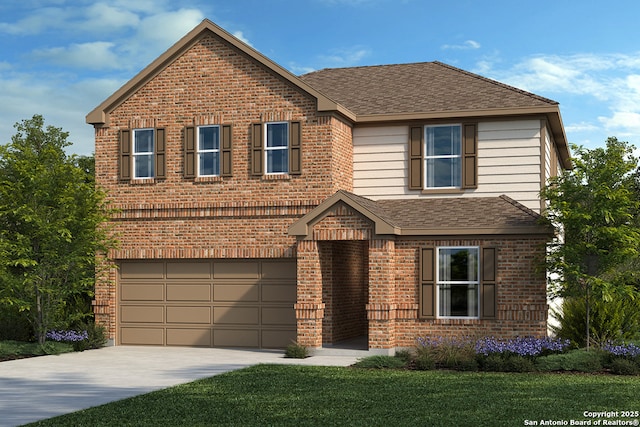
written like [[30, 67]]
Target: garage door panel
[[278, 316], [236, 270], [278, 338], [219, 303], [184, 314], [146, 336], [142, 292], [279, 270], [236, 292], [236, 315], [189, 337], [141, 314], [187, 292], [188, 270], [236, 338], [140, 270], [279, 292]]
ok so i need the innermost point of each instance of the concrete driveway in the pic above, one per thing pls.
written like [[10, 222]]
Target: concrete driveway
[[43, 387]]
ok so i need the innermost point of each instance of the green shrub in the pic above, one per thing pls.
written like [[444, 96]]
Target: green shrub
[[380, 362], [621, 366], [575, 360], [447, 353], [296, 351], [519, 364], [494, 362], [97, 337], [424, 362], [14, 325], [615, 320], [404, 355]]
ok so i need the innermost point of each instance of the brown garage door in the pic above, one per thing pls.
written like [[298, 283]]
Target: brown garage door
[[217, 303]]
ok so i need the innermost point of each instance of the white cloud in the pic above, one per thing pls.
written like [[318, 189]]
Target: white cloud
[[467, 44], [93, 56], [345, 57], [240, 36]]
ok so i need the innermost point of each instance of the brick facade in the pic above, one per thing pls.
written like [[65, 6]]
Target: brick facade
[[351, 281]]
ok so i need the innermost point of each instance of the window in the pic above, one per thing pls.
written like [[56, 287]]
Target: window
[[277, 148], [209, 151], [143, 150], [458, 282], [442, 159]]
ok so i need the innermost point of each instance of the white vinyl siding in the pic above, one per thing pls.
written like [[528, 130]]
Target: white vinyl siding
[[508, 162]]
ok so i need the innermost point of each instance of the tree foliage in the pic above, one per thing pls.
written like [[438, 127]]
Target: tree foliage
[[52, 225], [595, 208]]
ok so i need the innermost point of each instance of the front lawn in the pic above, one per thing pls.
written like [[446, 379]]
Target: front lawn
[[10, 350], [322, 396]]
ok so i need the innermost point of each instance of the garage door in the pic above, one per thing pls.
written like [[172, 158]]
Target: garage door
[[217, 303]]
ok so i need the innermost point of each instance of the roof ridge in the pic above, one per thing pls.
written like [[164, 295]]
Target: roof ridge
[[367, 66], [496, 83]]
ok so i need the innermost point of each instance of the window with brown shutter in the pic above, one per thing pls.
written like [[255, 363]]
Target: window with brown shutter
[[124, 166], [488, 283], [226, 151], [427, 295], [452, 287], [256, 150], [295, 149], [416, 163], [189, 152], [469, 156], [159, 154]]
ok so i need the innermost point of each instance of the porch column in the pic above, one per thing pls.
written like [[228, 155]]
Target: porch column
[[381, 310], [309, 307]]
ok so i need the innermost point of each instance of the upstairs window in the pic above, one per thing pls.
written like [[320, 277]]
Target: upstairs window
[[276, 148], [209, 151], [142, 154], [442, 159], [143, 151]]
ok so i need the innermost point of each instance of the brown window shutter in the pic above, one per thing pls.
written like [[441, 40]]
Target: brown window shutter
[[124, 171], [257, 160], [226, 159], [295, 148], [488, 283], [190, 152], [427, 283], [159, 154], [469, 156], [416, 162]]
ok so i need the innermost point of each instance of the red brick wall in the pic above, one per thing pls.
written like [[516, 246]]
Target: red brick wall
[[238, 216]]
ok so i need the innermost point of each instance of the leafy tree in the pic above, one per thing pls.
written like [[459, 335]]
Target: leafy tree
[[595, 207], [52, 225]]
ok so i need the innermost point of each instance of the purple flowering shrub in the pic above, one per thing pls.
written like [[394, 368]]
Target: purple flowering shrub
[[521, 346], [67, 336], [630, 351]]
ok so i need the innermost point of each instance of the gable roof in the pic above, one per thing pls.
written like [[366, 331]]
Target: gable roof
[[100, 114], [462, 216]]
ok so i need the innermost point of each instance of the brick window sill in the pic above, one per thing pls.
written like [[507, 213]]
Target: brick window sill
[[143, 181], [276, 177], [207, 179]]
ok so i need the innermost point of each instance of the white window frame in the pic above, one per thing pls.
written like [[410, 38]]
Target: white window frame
[[199, 151], [267, 149], [475, 283], [426, 157], [138, 154]]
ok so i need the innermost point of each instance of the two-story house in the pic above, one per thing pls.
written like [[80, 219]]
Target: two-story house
[[257, 207]]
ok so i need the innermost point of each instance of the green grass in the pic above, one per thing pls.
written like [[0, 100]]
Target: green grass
[[309, 396], [9, 349]]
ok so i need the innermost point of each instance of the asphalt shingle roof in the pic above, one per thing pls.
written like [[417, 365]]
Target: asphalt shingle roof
[[497, 213], [417, 88]]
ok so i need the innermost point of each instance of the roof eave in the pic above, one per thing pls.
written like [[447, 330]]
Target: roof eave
[[100, 115]]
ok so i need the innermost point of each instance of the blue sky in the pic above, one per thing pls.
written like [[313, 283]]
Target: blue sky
[[61, 58]]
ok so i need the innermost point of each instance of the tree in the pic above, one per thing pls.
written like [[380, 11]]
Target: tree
[[52, 225], [595, 208]]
